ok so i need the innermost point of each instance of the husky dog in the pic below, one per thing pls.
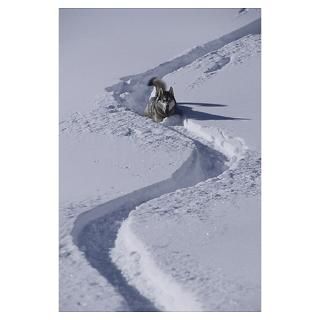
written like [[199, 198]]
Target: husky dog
[[163, 104]]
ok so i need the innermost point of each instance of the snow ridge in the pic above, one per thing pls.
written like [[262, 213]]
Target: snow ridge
[[148, 278], [234, 148], [132, 91], [95, 231], [171, 209]]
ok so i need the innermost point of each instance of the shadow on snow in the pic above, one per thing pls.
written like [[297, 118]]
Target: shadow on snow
[[199, 115], [202, 104]]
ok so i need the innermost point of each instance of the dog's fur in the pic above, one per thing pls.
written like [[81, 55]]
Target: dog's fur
[[163, 104]]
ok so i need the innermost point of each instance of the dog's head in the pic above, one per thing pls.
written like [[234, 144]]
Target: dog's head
[[166, 99]]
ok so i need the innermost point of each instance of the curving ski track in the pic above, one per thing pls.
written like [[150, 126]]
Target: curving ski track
[[95, 231]]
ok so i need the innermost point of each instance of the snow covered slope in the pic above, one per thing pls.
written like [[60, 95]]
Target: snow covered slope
[[91, 175], [206, 239], [173, 223], [131, 91]]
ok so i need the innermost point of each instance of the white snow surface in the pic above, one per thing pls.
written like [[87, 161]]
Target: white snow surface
[[102, 159], [167, 216]]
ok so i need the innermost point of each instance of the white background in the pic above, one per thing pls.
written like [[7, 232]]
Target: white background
[[29, 161]]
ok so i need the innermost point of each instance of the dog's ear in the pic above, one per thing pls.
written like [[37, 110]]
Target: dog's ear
[[171, 91]]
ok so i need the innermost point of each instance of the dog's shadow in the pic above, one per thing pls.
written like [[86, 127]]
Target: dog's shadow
[[199, 115], [202, 104]]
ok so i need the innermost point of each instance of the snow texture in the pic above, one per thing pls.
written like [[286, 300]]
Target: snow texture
[[176, 226]]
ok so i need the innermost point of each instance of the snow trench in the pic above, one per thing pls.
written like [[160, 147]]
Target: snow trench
[[95, 231], [133, 258]]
